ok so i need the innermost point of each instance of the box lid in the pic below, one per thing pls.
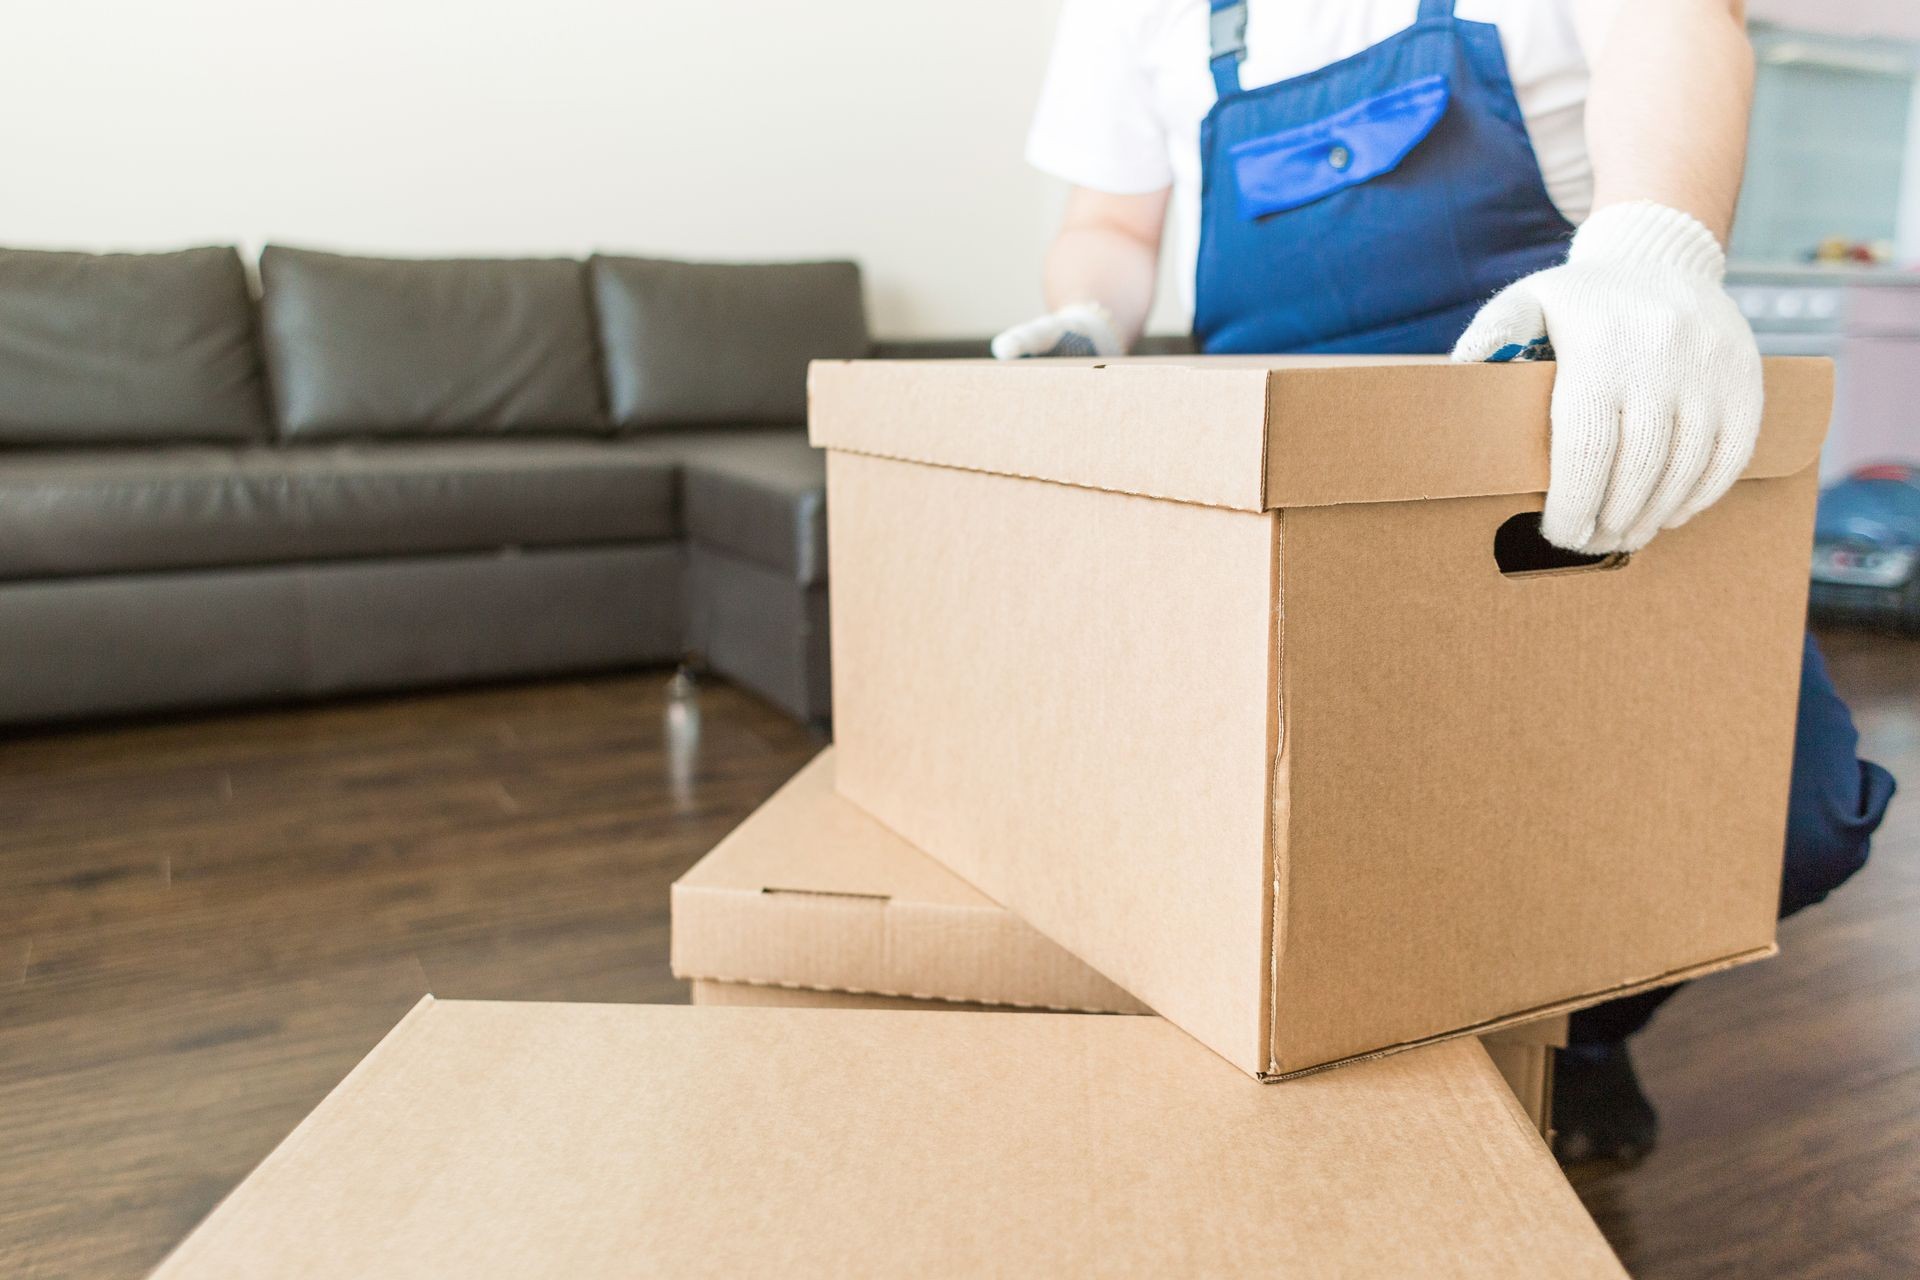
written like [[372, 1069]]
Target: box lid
[[483, 1139], [810, 891], [1248, 432]]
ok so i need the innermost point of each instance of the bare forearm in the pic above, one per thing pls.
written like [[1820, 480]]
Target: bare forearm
[[1108, 251], [1667, 109], [1095, 264]]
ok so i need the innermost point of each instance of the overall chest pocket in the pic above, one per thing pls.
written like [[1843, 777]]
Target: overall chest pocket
[[1297, 166]]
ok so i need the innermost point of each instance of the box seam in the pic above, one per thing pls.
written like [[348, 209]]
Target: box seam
[[1277, 730]]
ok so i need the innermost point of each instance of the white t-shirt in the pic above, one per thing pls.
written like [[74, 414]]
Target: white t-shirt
[[1128, 84]]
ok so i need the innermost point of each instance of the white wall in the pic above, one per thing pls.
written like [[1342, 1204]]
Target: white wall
[[885, 130]]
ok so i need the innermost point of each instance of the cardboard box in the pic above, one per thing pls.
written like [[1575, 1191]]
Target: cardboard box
[[507, 1140], [811, 903], [1208, 669]]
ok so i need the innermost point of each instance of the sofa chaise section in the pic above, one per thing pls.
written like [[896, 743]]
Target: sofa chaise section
[[755, 512]]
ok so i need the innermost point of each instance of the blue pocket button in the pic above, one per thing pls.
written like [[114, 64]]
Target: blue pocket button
[[1309, 162]]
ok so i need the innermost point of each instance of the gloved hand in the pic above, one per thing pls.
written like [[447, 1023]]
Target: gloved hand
[[1083, 329], [1657, 403]]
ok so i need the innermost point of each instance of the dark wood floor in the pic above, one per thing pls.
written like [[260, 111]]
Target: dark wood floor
[[204, 924]]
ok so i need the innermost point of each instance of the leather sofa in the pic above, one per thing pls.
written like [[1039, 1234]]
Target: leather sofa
[[376, 474]]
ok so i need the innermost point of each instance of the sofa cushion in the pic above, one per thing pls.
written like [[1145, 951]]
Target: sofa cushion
[[122, 348], [711, 344], [760, 495], [98, 511], [396, 347]]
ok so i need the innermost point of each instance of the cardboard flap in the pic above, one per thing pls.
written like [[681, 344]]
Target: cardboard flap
[[1248, 432], [1191, 431], [485, 1140], [1434, 429], [806, 839], [810, 891]]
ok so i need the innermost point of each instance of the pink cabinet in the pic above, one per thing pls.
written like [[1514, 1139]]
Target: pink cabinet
[[1870, 324]]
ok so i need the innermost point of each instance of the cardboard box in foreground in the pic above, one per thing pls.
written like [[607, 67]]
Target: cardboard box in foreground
[[1209, 669], [812, 903], [508, 1140]]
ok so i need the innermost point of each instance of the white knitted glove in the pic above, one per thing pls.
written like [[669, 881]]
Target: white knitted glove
[[1083, 329], [1657, 402]]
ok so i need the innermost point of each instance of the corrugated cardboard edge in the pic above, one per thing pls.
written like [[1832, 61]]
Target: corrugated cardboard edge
[[1687, 974], [408, 1026], [712, 949], [958, 1002]]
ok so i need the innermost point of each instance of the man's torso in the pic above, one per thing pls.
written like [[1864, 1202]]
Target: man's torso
[[1287, 38]]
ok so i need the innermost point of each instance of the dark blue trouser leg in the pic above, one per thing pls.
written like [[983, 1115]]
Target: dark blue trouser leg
[[1836, 802]]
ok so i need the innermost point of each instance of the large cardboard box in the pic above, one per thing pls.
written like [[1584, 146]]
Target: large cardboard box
[[811, 903], [1209, 669], [509, 1140]]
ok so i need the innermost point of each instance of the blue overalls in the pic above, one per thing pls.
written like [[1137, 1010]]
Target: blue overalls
[[1374, 205]]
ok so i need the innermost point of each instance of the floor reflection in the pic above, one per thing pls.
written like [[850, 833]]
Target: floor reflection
[[681, 724]]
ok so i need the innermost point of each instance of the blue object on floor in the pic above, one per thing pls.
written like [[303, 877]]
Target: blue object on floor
[[1866, 550]]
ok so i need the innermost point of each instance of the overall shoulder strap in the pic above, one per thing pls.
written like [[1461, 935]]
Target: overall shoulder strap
[[1227, 43], [1435, 9]]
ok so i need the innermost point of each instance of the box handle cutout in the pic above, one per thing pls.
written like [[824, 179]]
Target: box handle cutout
[[1522, 552]]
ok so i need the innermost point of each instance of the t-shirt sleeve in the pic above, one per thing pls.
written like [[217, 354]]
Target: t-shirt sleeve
[[1096, 125]]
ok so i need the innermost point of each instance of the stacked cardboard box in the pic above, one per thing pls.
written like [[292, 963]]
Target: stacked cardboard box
[[1239, 690]]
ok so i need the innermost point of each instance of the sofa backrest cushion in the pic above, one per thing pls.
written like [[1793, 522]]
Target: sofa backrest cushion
[[413, 347], [127, 348], [721, 344]]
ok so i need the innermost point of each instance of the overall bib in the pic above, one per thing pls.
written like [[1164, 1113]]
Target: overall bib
[[1372, 205]]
